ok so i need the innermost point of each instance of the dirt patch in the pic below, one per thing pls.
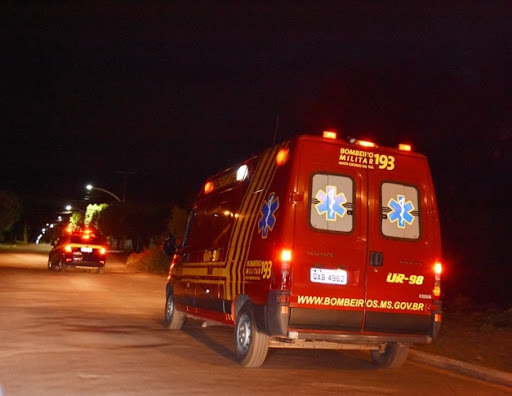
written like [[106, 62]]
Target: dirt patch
[[483, 338]]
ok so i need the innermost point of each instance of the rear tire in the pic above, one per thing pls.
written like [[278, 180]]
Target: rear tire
[[394, 355], [251, 344], [62, 265], [50, 265], [100, 270], [173, 318]]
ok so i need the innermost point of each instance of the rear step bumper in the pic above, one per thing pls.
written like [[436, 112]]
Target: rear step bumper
[[343, 341]]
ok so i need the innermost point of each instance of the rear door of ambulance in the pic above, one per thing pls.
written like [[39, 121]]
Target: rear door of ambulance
[[330, 239], [403, 244], [362, 255]]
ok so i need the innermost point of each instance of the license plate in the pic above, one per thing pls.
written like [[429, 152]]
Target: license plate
[[333, 277], [86, 249]]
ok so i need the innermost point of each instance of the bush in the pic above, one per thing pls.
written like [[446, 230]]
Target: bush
[[497, 320], [152, 260], [456, 304]]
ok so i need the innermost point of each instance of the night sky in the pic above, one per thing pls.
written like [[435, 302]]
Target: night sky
[[169, 94]]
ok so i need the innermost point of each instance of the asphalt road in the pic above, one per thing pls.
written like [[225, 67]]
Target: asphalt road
[[101, 334]]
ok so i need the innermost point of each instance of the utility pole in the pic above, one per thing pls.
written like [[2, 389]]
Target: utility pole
[[125, 176], [275, 130]]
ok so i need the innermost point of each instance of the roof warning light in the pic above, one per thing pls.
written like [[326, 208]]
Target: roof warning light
[[329, 134]]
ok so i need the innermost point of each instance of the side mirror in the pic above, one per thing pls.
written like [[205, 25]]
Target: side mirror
[[170, 246]]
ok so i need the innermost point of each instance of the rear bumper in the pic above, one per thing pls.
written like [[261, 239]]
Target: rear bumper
[[346, 327], [354, 339], [85, 263]]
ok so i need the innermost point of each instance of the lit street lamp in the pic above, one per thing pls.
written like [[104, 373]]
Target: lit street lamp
[[70, 208], [91, 187]]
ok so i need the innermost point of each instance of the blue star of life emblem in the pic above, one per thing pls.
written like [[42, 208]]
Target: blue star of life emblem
[[401, 211], [268, 218], [330, 203]]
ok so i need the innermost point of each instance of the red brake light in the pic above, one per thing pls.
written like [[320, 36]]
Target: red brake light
[[103, 251], [286, 255], [67, 248], [438, 268], [281, 270]]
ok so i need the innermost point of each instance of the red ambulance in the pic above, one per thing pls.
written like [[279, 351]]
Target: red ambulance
[[315, 243]]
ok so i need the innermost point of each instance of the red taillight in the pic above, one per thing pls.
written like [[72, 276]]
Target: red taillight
[[103, 251], [281, 271], [68, 249], [286, 255], [438, 268]]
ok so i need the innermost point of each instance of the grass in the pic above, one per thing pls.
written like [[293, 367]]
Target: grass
[[480, 335]]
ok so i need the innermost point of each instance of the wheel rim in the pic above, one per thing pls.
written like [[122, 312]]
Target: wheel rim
[[243, 334], [169, 309]]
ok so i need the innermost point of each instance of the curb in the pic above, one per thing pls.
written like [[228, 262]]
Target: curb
[[472, 370]]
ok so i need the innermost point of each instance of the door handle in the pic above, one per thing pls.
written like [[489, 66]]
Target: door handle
[[376, 259]]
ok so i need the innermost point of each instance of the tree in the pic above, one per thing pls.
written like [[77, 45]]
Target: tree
[[138, 221], [76, 220], [93, 214], [10, 211]]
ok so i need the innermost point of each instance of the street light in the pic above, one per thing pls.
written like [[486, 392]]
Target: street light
[[70, 208], [91, 187]]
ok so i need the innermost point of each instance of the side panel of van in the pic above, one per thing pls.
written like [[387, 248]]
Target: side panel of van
[[209, 271]]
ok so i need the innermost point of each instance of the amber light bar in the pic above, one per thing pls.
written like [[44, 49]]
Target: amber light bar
[[329, 134], [365, 143], [282, 156]]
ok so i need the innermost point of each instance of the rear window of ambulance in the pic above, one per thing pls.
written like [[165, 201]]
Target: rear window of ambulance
[[332, 203], [400, 214]]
